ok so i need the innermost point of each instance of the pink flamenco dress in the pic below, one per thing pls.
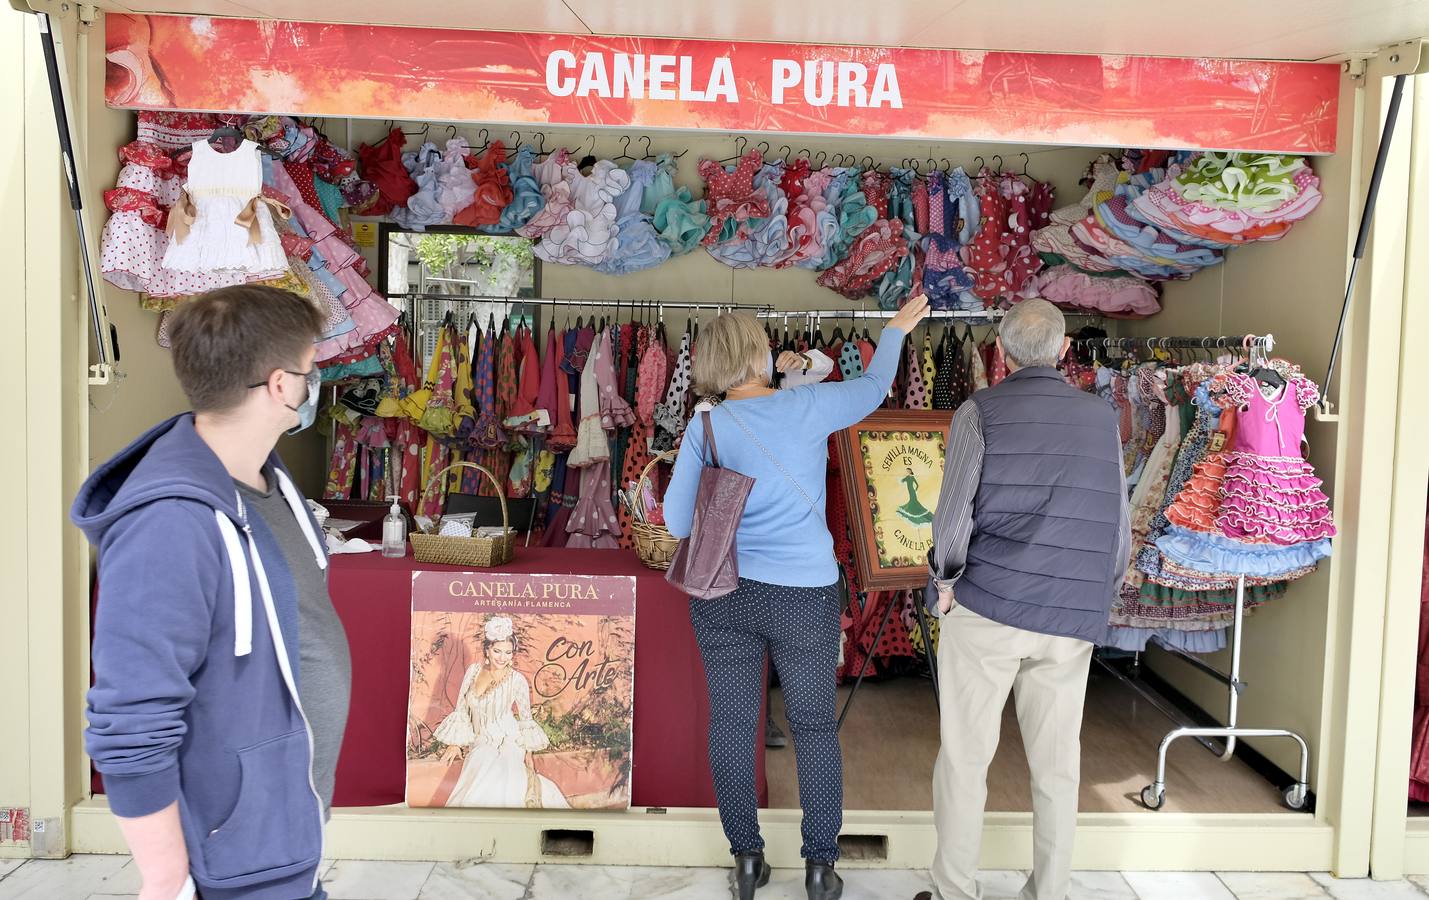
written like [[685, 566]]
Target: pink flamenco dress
[[1273, 522], [593, 522]]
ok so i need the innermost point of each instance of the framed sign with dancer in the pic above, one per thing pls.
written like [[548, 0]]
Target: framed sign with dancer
[[892, 464]]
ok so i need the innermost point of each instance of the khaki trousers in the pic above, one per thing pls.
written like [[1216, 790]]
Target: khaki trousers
[[979, 661]]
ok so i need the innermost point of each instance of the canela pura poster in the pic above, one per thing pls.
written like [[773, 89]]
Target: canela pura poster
[[522, 691]]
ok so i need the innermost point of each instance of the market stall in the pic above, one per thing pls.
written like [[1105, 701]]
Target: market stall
[[1287, 287]]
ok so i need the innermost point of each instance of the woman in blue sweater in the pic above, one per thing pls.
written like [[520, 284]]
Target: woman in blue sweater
[[787, 602]]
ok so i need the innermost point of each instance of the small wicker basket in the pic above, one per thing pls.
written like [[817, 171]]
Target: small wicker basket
[[479, 552], [653, 543]]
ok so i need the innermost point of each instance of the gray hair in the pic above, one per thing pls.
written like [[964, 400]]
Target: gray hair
[[1032, 333]]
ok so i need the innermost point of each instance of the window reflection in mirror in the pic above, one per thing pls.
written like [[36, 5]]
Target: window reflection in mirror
[[474, 276]]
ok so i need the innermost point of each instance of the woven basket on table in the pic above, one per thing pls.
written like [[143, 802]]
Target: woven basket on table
[[653, 543], [482, 552]]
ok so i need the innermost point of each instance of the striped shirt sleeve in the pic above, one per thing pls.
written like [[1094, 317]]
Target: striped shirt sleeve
[[953, 522]]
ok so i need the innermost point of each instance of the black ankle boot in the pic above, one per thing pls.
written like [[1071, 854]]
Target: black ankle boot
[[750, 872], [821, 882]]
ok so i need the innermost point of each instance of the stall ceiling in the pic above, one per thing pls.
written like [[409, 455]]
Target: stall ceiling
[[1305, 30]]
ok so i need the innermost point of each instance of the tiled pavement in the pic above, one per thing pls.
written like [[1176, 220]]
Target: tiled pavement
[[114, 878]]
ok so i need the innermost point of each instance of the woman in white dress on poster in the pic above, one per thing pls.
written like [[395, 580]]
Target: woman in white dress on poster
[[492, 728]]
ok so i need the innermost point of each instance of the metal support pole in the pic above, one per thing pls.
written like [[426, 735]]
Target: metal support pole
[[105, 336], [1366, 220]]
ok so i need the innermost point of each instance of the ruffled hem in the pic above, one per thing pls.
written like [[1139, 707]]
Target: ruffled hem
[[592, 445], [615, 413], [1216, 554]]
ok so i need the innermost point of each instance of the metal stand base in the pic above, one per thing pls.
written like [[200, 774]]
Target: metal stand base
[[1153, 796]]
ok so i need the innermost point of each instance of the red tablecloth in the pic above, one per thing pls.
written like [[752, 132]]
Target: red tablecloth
[[373, 597]]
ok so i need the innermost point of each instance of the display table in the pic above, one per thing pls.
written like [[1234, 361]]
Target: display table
[[670, 763]]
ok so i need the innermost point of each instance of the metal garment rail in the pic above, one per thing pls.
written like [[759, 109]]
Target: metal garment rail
[[591, 302], [1154, 794]]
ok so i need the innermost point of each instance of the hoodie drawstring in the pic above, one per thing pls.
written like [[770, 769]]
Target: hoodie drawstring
[[242, 587]]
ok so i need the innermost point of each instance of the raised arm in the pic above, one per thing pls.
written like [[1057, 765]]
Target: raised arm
[[843, 403]]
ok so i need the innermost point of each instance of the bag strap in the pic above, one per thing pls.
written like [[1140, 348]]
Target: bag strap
[[711, 449], [772, 458]]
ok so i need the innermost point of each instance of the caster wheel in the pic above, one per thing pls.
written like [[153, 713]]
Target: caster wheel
[[1153, 797], [1295, 796]]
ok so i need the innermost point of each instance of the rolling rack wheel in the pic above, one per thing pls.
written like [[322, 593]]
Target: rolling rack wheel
[[1153, 796], [1296, 796]]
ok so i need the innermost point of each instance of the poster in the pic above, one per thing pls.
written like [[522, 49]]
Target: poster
[[522, 690], [892, 465], [207, 64]]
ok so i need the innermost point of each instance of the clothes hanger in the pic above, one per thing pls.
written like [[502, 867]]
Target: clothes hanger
[[649, 154], [740, 142], [624, 150], [589, 158]]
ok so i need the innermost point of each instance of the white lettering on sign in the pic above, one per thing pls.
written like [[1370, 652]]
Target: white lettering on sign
[[843, 83], [666, 77], [560, 86]]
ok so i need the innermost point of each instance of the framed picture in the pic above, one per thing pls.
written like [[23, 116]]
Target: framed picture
[[892, 465]]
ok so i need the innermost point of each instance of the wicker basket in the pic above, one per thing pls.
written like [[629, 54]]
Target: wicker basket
[[653, 543], [480, 552]]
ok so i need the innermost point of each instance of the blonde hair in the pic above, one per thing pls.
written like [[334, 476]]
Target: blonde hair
[[730, 351]]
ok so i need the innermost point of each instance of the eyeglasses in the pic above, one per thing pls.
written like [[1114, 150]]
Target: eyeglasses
[[313, 377]]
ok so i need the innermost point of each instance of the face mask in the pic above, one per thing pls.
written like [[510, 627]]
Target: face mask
[[307, 410]]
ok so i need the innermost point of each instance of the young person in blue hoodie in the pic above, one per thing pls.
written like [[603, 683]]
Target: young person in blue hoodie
[[221, 671]]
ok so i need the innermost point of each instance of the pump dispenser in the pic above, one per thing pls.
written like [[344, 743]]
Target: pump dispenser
[[394, 532]]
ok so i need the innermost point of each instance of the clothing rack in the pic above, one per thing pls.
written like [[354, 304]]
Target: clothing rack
[[427, 311], [1296, 796], [1260, 342]]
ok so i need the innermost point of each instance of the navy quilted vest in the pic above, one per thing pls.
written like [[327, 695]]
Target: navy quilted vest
[[1042, 555]]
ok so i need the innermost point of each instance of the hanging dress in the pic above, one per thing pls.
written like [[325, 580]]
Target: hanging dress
[[638, 245], [491, 190], [593, 522], [221, 220], [731, 198], [678, 218], [953, 217], [587, 232], [424, 208]]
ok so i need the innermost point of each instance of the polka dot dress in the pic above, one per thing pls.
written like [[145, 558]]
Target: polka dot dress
[[798, 628], [670, 415], [915, 395]]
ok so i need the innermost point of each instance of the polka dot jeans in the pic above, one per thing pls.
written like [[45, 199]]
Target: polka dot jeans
[[798, 627]]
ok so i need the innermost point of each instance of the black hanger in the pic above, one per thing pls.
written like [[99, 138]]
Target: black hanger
[[649, 154], [624, 150], [226, 131], [740, 143], [588, 159]]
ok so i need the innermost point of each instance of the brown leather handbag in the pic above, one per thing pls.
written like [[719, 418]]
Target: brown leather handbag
[[706, 563]]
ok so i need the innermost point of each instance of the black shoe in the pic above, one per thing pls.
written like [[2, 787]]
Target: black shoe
[[774, 736], [821, 882], [923, 895], [750, 872]]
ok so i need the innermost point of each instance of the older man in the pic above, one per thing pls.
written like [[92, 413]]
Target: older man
[[1032, 529]]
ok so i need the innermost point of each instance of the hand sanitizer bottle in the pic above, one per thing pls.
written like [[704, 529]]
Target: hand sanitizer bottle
[[394, 532]]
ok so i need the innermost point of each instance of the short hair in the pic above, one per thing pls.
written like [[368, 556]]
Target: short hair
[[233, 337], [730, 351], [1032, 333]]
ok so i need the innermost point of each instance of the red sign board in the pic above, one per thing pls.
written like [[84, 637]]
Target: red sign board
[[426, 74]]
